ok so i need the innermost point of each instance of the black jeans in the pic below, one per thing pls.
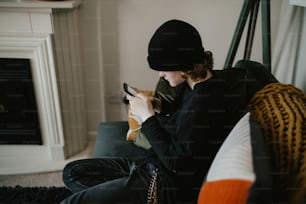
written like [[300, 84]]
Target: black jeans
[[106, 180]]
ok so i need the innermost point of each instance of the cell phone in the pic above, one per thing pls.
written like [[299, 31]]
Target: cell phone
[[129, 90]]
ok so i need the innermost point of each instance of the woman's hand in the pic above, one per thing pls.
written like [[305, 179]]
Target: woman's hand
[[141, 106]]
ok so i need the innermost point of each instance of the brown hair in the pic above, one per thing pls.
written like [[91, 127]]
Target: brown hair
[[200, 70]]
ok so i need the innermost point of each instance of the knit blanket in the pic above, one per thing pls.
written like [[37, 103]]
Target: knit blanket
[[31, 195], [280, 109]]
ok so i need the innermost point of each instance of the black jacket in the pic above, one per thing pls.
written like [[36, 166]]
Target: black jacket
[[204, 116]]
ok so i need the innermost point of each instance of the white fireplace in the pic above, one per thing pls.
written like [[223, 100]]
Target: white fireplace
[[47, 34]]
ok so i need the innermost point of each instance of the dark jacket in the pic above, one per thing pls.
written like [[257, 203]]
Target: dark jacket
[[184, 149]]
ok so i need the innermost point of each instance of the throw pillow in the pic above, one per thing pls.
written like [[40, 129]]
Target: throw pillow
[[141, 140], [280, 109], [231, 174]]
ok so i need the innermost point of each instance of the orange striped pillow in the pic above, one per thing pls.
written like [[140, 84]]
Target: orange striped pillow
[[231, 174], [227, 191]]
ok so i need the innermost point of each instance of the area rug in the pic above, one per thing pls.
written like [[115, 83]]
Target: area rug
[[32, 195]]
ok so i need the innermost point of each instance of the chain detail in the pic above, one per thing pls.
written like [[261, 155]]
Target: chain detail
[[152, 191]]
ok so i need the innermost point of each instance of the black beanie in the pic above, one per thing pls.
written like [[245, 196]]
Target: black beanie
[[175, 46]]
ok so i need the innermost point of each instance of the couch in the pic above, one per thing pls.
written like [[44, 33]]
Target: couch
[[111, 142], [111, 137]]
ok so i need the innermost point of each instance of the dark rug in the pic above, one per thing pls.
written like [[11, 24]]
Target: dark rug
[[32, 195]]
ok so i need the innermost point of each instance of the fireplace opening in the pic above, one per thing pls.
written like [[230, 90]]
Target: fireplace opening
[[19, 119]]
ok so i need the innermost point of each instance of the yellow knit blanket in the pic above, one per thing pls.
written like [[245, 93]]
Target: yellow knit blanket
[[280, 109]]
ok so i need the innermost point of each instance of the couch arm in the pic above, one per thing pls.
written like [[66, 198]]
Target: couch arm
[[111, 141]]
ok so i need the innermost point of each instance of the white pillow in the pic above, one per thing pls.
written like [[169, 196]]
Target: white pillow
[[231, 174]]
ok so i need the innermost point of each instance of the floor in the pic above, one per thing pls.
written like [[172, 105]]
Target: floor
[[33, 180], [8, 167], [50, 175]]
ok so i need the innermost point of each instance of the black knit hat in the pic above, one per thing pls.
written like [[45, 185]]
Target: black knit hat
[[175, 46]]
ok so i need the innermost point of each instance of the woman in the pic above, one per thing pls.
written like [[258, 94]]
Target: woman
[[208, 104]]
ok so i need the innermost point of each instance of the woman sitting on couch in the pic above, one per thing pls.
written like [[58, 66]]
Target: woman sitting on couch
[[207, 106]]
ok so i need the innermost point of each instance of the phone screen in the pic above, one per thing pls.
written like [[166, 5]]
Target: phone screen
[[129, 90]]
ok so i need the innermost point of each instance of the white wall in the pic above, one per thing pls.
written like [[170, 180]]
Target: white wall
[[288, 59], [300, 79], [215, 20], [116, 35], [90, 23]]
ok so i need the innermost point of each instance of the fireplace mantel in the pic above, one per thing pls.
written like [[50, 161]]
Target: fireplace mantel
[[47, 33], [39, 4]]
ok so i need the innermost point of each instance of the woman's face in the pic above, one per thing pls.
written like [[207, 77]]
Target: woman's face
[[173, 77]]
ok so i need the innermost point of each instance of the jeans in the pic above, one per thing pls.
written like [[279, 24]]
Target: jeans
[[106, 180]]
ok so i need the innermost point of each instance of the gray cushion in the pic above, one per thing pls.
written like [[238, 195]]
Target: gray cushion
[[111, 141]]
